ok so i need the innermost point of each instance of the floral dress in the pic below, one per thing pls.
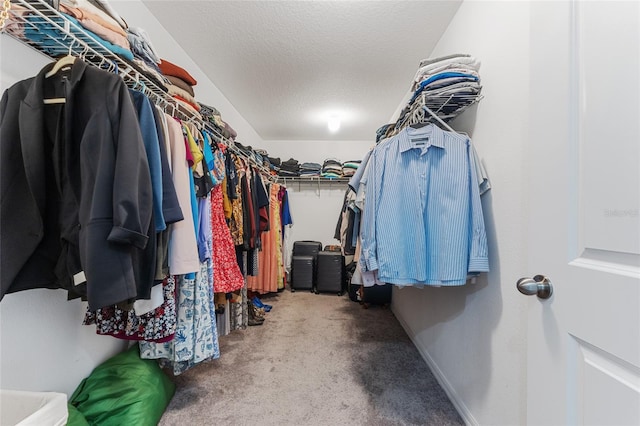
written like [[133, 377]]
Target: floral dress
[[226, 272], [159, 325], [196, 337]]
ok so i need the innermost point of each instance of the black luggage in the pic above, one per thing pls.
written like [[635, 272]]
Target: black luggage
[[376, 295], [302, 273], [331, 272], [306, 248]]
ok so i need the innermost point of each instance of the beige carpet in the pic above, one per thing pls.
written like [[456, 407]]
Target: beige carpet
[[317, 360]]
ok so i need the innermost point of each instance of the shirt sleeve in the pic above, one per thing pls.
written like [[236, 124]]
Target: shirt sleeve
[[372, 179], [483, 179], [132, 192], [152, 149], [478, 252]]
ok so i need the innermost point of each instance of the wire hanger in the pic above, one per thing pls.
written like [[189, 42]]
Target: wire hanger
[[139, 84]]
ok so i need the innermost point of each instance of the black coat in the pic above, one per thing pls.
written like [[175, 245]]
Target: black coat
[[75, 185]]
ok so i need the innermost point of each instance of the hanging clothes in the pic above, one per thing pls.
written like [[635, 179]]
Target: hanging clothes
[[226, 273], [236, 221], [196, 337], [158, 325], [270, 261], [439, 239], [183, 247], [287, 223], [171, 210], [56, 226]]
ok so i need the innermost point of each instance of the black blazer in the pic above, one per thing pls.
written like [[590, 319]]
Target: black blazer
[[75, 189]]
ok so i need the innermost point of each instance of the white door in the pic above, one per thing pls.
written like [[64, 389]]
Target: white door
[[584, 170]]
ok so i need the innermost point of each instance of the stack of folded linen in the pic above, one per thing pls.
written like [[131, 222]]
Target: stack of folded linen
[[310, 169], [262, 157], [274, 164], [349, 167], [133, 44], [247, 151], [142, 48], [448, 85], [146, 58], [332, 168], [212, 116], [382, 131], [181, 84], [101, 26], [290, 167]]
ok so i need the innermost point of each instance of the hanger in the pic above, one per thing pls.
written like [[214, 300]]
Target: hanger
[[63, 62], [67, 60]]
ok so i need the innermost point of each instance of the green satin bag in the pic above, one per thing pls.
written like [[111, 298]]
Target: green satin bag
[[75, 417], [124, 390]]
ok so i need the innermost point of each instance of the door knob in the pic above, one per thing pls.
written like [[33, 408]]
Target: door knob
[[538, 285]]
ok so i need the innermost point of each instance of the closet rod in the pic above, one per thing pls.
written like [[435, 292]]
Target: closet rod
[[231, 145]]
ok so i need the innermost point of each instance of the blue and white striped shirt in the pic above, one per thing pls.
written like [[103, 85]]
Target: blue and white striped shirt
[[422, 221]]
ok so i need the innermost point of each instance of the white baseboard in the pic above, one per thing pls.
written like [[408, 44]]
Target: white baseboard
[[460, 406]]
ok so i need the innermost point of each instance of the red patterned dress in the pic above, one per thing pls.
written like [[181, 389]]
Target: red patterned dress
[[226, 272]]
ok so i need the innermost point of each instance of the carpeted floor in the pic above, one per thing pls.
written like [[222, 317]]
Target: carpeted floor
[[317, 360]]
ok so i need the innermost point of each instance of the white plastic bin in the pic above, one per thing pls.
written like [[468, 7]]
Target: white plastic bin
[[21, 408]]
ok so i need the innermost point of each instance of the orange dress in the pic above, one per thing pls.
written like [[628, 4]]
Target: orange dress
[[270, 265]]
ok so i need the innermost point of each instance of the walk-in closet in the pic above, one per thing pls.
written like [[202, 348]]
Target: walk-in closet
[[319, 212]]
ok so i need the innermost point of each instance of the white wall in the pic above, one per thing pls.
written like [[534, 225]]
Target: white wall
[[474, 337], [43, 346], [315, 208]]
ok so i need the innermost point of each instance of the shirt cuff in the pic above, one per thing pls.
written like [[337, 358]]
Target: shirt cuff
[[478, 264], [126, 236], [370, 263]]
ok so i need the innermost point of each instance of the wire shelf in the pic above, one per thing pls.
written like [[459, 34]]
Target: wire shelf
[[442, 108], [317, 180], [55, 34]]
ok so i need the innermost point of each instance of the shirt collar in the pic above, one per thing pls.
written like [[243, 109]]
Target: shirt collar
[[436, 137]]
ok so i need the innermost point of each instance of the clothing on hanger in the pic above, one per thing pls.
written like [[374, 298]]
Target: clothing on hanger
[[75, 238], [428, 175]]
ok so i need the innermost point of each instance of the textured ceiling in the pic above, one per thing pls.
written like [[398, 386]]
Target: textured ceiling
[[287, 65]]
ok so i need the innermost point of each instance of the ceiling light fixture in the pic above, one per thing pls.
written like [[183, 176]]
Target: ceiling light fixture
[[334, 123]]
